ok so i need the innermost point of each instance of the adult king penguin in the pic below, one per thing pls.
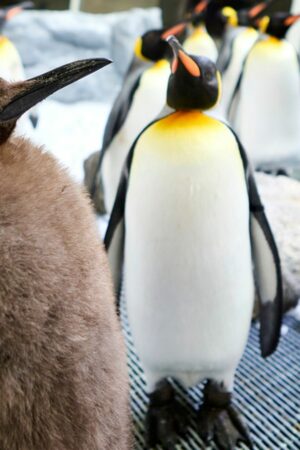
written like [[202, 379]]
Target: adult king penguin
[[141, 99], [265, 110], [239, 39], [190, 207], [199, 41]]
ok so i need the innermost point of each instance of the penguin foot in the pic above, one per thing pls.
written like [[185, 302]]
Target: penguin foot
[[219, 419], [166, 418]]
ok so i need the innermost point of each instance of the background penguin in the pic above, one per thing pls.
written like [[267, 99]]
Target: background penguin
[[141, 98], [11, 66], [63, 377], [266, 107], [293, 34], [238, 40], [186, 198], [199, 42]]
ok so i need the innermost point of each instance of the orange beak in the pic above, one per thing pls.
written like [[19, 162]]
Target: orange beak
[[185, 59], [256, 10], [13, 12], [291, 20], [201, 6], [174, 31]]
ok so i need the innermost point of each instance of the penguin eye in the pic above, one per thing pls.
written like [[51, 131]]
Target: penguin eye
[[209, 75]]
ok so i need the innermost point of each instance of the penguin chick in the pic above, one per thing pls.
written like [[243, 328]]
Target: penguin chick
[[193, 219], [63, 380], [141, 99]]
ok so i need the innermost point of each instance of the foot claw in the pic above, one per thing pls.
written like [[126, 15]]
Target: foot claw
[[165, 420], [219, 420]]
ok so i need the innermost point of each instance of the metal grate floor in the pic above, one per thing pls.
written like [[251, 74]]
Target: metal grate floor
[[267, 392]]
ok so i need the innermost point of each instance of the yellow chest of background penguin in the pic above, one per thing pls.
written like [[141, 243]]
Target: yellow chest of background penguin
[[186, 198]]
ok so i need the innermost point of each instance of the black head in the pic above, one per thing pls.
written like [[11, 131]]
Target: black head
[[194, 83], [278, 24], [246, 17], [152, 46], [199, 13], [17, 98]]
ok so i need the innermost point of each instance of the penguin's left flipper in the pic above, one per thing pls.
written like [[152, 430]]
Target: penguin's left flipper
[[266, 266]]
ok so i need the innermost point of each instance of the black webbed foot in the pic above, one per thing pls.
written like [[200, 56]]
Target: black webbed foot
[[166, 418], [219, 419]]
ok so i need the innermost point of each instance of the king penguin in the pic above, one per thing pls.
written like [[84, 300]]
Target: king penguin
[[189, 225], [199, 41], [239, 38], [265, 111], [141, 98], [11, 66], [293, 35]]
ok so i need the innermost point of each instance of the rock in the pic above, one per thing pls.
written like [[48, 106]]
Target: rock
[[281, 198], [47, 39]]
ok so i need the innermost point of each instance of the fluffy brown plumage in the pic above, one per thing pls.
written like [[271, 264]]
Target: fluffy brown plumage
[[63, 377]]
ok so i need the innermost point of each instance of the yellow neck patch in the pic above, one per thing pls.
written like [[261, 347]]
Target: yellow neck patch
[[138, 50]]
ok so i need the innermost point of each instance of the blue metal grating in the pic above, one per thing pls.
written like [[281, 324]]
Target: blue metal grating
[[267, 392]]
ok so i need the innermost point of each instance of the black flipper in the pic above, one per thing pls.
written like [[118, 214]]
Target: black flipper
[[119, 111], [232, 105], [114, 239], [266, 265], [225, 53]]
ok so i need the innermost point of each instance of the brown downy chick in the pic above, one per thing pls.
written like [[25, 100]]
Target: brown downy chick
[[63, 377]]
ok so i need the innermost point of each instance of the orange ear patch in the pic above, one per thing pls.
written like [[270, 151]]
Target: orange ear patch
[[189, 64], [201, 6], [291, 19], [174, 31], [257, 10]]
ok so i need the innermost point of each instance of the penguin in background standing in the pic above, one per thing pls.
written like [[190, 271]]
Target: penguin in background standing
[[239, 39], [187, 219], [141, 99], [199, 41], [293, 34], [265, 111], [11, 66]]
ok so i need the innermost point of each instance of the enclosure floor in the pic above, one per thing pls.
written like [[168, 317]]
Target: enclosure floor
[[266, 391]]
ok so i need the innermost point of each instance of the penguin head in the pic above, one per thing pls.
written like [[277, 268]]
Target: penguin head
[[198, 15], [194, 82], [152, 45], [278, 24], [244, 17], [17, 98]]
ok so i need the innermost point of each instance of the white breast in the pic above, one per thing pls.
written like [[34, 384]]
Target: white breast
[[200, 43], [268, 114], [148, 102], [188, 274]]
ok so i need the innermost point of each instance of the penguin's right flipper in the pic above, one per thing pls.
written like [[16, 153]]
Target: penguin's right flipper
[[114, 239]]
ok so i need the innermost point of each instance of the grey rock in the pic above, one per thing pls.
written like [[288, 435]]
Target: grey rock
[[48, 39]]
